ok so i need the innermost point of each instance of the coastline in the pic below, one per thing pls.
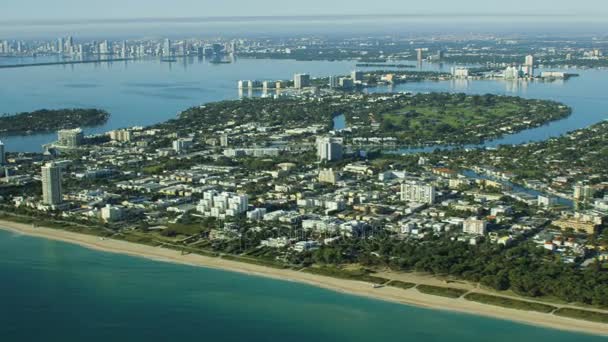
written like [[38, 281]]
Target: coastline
[[410, 297]]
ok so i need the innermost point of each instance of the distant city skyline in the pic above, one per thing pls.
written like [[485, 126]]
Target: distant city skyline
[[70, 10]]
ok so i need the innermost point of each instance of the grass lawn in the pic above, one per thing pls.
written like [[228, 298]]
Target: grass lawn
[[509, 303], [448, 292]]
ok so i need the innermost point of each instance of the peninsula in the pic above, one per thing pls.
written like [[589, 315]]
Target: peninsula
[[46, 120], [274, 183]]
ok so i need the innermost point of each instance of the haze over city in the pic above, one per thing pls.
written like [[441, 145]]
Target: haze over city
[[14, 10]]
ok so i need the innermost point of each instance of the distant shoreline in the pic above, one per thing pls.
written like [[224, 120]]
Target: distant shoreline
[[358, 288], [25, 65]]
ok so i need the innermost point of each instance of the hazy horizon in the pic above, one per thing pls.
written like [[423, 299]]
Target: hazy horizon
[[327, 25], [41, 10]]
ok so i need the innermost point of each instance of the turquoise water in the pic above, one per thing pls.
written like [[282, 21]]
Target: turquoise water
[[54, 291]]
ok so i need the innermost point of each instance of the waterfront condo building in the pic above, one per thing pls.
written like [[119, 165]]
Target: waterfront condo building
[[51, 184], [70, 137], [301, 81]]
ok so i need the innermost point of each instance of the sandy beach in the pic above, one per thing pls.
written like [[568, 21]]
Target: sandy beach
[[409, 297]]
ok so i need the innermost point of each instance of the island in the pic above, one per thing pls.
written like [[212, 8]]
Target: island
[[394, 119], [46, 120]]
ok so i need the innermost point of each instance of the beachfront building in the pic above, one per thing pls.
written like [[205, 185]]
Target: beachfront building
[[51, 184], [222, 204]]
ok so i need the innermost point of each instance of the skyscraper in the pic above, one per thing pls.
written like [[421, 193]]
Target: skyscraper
[[60, 45], [2, 154], [224, 140], [334, 81], [418, 192], [582, 192], [70, 137], [301, 81], [357, 76], [529, 65], [329, 149], [51, 184], [167, 48], [104, 48], [419, 55], [69, 44]]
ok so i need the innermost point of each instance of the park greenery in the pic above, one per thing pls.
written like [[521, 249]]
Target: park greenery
[[45, 120], [582, 314], [523, 268], [509, 302], [410, 119], [449, 292]]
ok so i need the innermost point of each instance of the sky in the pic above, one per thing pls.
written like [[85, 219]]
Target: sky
[[58, 10]]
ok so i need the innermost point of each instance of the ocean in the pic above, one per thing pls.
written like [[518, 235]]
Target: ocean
[[54, 291]]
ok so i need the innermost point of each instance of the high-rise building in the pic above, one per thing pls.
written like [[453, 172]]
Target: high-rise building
[[329, 149], [233, 47], [512, 73], [181, 145], [266, 85], [334, 81], [121, 135], [418, 192], [111, 213], [582, 192], [104, 48], [529, 60], [2, 154], [546, 201], [474, 226], [167, 48], [419, 55], [346, 83], [224, 140], [70, 137], [529, 66], [328, 176], [222, 204], [51, 184], [460, 72], [301, 81], [60, 45], [357, 76], [440, 54]]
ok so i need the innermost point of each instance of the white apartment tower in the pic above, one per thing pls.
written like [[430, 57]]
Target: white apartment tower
[[70, 137], [2, 154], [51, 184], [418, 192], [474, 226], [301, 81], [329, 149]]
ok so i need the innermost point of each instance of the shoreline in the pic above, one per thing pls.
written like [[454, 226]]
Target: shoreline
[[411, 297]]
